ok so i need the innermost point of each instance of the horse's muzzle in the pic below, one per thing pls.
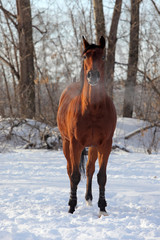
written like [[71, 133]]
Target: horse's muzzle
[[93, 77]]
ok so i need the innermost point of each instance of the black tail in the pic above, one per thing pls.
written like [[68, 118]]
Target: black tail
[[83, 162]]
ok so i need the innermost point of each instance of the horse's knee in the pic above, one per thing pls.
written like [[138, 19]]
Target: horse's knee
[[90, 169], [101, 178], [75, 177]]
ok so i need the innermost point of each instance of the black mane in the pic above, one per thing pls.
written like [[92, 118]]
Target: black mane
[[91, 46], [82, 76]]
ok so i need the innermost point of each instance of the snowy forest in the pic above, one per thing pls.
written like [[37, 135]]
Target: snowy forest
[[41, 48], [41, 53]]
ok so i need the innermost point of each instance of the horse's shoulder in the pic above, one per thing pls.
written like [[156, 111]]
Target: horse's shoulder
[[111, 107], [109, 101], [74, 87], [72, 90]]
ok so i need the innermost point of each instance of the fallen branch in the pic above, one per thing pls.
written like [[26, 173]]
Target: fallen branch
[[140, 130], [121, 148]]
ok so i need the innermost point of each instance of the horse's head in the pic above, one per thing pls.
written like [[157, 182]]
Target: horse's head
[[94, 59]]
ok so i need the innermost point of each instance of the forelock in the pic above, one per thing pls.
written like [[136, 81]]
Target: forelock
[[91, 46]]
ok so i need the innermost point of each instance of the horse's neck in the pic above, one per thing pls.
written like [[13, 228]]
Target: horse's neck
[[93, 97]]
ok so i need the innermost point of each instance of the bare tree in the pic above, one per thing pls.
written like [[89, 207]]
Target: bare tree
[[99, 19], [112, 39], [26, 84], [21, 65], [9, 59], [133, 60]]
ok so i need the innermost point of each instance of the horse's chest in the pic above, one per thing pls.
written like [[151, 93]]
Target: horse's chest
[[91, 130]]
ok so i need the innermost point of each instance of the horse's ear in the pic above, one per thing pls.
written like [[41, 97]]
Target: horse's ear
[[102, 42], [85, 43]]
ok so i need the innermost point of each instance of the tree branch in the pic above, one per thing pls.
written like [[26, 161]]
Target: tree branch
[[42, 32], [148, 78], [9, 15], [158, 11], [151, 81], [11, 67]]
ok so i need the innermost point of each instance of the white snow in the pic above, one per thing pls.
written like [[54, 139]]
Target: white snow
[[34, 193]]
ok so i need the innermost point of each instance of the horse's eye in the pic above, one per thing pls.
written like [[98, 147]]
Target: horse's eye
[[84, 57], [103, 58]]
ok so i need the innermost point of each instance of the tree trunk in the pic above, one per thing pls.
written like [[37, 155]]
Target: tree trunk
[[99, 19], [133, 60], [112, 39], [26, 84], [8, 93]]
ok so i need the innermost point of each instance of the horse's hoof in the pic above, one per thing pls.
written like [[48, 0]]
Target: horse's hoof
[[71, 210], [89, 202], [103, 213]]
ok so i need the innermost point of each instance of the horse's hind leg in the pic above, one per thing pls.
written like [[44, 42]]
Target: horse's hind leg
[[66, 151], [90, 168], [103, 155], [75, 154], [67, 156]]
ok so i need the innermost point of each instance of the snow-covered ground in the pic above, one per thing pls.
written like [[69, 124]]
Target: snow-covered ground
[[34, 186], [34, 192]]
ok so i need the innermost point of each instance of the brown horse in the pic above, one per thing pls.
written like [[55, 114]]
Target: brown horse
[[87, 117]]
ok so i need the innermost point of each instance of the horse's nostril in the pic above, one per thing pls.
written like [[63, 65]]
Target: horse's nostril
[[89, 74], [93, 74]]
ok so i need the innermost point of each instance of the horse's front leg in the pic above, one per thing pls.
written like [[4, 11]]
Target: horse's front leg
[[75, 154], [90, 168], [103, 155]]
